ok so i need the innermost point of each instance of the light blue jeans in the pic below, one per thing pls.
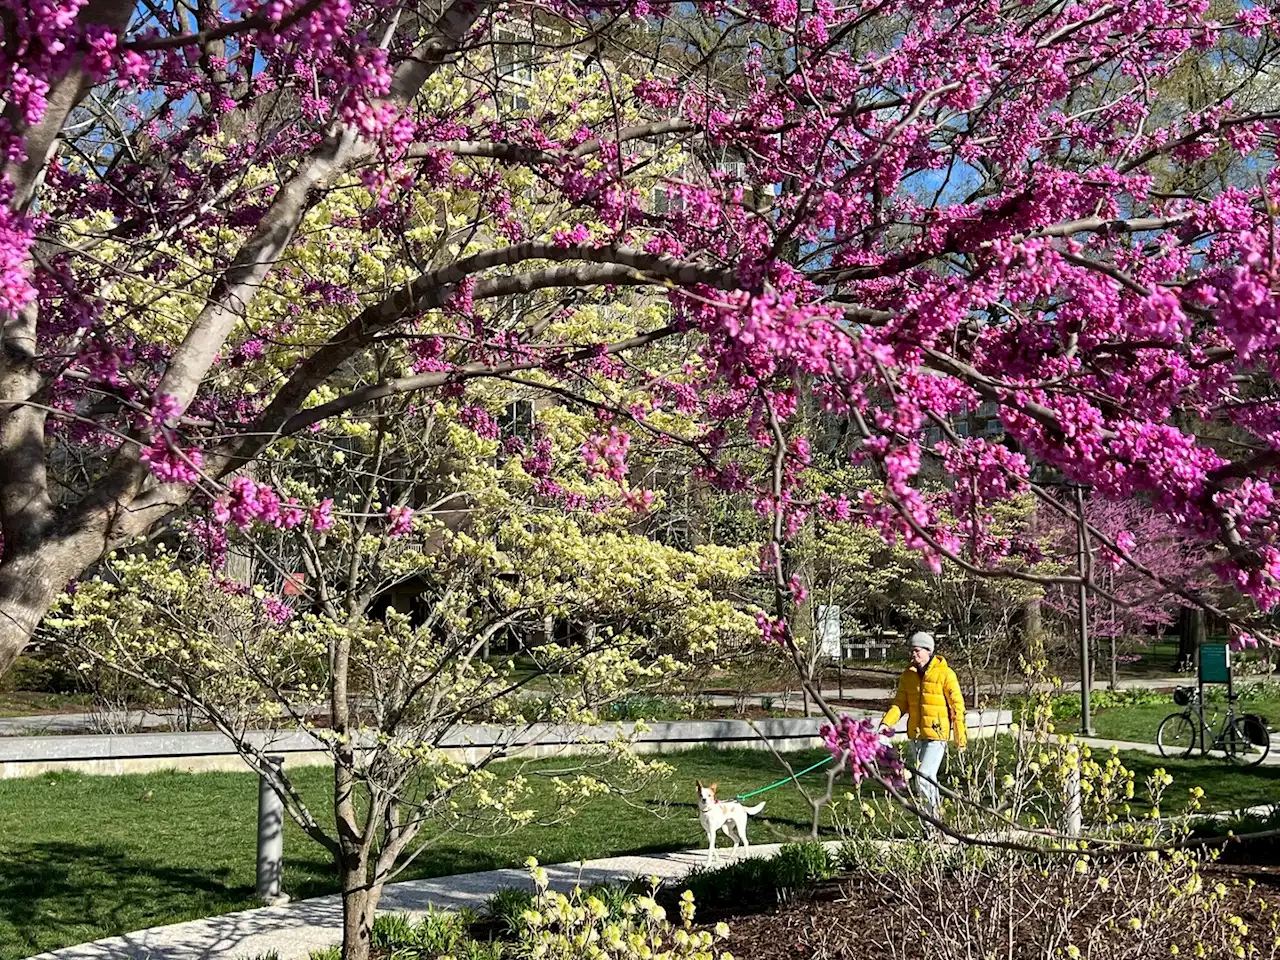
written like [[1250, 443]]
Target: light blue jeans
[[928, 756]]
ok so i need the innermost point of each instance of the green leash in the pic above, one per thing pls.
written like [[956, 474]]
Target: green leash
[[746, 796]]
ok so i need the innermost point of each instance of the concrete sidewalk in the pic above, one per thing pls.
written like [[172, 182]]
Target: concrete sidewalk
[[1272, 759], [294, 930], [792, 699], [57, 723]]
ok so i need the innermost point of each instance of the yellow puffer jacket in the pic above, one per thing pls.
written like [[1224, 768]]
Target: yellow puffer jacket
[[933, 704]]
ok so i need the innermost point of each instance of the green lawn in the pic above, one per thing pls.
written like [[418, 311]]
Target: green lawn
[[1138, 724], [1226, 787], [85, 857], [19, 703]]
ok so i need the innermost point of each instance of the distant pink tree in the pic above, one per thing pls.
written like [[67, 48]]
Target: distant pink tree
[[1125, 601]]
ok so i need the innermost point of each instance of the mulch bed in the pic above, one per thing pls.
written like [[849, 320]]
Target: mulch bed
[[855, 918]]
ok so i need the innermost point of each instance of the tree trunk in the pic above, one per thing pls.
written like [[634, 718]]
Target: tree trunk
[[358, 908], [1030, 619], [1191, 634], [29, 583], [239, 567], [359, 899], [1031, 625]]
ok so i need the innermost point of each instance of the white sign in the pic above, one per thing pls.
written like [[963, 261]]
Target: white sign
[[829, 631]]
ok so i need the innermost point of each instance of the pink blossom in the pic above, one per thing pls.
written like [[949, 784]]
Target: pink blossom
[[399, 521], [321, 516], [171, 464], [858, 743]]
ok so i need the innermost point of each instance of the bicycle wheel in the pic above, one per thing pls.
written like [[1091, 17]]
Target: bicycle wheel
[[1238, 748], [1176, 737]]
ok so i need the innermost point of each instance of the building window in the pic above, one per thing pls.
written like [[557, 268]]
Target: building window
[[517, 420], [513, 56]]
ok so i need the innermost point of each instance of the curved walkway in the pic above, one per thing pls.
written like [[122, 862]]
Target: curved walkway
[[294, 930]]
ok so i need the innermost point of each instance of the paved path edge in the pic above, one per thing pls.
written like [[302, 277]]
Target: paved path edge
[[293, 931]]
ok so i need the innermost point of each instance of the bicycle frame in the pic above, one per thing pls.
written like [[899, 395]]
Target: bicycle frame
[[1195, 712]]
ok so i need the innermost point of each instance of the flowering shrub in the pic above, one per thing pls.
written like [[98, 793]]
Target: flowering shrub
[[578, 925], [998, 903]]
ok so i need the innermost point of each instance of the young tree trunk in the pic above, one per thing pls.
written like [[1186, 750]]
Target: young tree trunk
[[358, 908], [359, 899]]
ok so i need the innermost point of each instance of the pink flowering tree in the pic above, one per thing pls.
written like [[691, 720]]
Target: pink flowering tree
[[1127, 605], [217, 221]]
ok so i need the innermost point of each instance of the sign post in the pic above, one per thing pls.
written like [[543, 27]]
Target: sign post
[[1215, 667], [829, 641]]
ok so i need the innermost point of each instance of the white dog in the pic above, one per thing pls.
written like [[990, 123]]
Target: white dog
[[728, 815]]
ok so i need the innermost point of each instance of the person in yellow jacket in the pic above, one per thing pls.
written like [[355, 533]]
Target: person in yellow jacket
[[929, 694]]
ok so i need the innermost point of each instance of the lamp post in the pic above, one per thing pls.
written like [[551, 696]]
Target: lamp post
[[1046, 476], [1082, 612]]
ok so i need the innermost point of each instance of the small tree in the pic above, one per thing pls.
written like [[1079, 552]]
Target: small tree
[[394, 684]]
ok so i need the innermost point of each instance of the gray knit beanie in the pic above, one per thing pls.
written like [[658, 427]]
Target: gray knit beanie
[[922, 640]]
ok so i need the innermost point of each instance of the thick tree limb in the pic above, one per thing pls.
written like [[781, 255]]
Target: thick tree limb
[[607, 265]]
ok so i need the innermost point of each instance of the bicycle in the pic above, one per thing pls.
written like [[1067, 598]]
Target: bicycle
[[1242, 738]]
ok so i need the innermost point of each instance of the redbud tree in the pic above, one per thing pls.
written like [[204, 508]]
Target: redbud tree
[[905, 208], [1130, 605]]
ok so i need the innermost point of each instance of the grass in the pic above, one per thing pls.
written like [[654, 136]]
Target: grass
[[85, 857], [1226, 787], [1137, 715], [1138, 724]]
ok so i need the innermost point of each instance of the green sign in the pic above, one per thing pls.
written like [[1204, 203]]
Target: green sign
[[1215, 663]]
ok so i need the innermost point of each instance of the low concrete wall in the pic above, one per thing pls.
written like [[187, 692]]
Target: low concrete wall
[[192, 752], [195, 752]]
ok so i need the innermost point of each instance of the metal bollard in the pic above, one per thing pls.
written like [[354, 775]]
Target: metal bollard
[[270, 838], [1074, 807]]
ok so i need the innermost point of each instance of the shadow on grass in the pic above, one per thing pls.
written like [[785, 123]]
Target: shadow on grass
[[52, 894], [57, 894]]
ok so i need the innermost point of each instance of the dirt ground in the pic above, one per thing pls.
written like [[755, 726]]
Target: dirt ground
[[859, 919]]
